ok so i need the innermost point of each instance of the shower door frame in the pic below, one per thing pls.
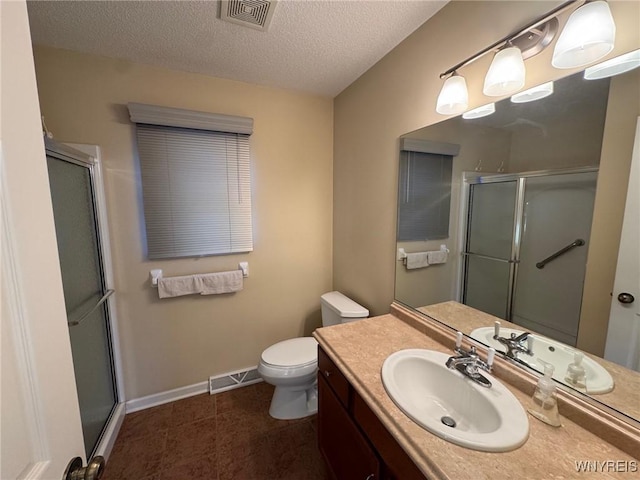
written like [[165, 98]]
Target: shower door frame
[[88, 156], [475, 178]]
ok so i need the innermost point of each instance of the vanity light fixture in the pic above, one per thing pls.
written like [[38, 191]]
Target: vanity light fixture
[[614, 66], [454, 97], [483, 111], [506, 73], [587, 36], [532, 94]]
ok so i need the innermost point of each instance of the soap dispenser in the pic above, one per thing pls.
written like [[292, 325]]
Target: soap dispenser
[[544, 402], [576, 376]]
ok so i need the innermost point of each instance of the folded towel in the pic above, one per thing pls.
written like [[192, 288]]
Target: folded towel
[[417, 260], [437, 256], [222, 282], [178, 286]]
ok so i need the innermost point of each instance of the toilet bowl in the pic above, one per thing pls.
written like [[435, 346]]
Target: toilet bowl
[[292, 365]]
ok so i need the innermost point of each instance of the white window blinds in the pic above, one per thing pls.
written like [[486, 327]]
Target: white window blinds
[[196, 191], [424, 196]]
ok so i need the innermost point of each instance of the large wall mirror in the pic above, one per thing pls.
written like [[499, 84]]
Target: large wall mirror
[[533, 219]]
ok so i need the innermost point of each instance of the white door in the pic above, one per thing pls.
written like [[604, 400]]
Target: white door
[[40, 419], [623, 336]]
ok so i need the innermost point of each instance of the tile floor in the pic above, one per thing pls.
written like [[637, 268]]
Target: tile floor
[[227, 436]]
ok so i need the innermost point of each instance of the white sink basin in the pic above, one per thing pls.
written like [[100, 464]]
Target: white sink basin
[[486, 419], [556, 353]]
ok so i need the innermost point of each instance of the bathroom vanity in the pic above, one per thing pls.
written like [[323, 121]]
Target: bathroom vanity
[[352, 440], [364, 435]]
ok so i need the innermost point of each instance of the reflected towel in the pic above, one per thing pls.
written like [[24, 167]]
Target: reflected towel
[[438, 256], [178, 286], [222, 282], [417, 260]]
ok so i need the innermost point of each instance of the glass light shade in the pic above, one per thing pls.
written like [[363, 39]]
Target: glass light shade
[[506, 73], [614, 66], [483, 111], [454, 97], [535, 93], [588, 35]]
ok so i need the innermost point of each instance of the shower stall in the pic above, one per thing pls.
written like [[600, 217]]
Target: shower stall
[[526, 243], [75, 195]]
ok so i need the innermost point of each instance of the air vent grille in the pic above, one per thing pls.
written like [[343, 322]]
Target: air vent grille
[[254, 14], [231, 380]]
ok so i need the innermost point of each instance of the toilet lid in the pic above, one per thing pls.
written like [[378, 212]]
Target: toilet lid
[[289, 353]]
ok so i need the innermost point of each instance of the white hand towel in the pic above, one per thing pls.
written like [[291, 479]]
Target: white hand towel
[[437, 256], [178, 286], [222, 282], [417, 260]]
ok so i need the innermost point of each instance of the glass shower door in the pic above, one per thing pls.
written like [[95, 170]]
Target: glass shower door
[[558, 210], [488, 253], [85, 293]]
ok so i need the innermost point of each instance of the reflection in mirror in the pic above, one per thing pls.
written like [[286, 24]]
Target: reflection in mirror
[[525, 241], [524, 187]]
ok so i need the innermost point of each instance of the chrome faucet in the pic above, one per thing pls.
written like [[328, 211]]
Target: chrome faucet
[[514, 344], [468, 362]]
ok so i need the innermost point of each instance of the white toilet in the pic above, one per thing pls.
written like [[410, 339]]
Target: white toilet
[[291, 365]]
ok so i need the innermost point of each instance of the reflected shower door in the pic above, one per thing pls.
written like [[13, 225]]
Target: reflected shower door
[[488, 251], [558, 211], [84, 293]]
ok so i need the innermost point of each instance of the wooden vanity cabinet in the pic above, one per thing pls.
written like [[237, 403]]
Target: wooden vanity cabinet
[[353, 442]]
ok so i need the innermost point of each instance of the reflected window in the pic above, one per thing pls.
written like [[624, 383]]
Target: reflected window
[[424, 196]]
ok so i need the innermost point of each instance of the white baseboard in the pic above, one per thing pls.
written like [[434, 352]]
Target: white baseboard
[[165, 397], [161, 398]]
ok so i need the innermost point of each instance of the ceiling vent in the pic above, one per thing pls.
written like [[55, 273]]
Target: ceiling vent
[[254, 14]]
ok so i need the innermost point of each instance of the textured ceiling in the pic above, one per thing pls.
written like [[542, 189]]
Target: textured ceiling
[[313, 46]]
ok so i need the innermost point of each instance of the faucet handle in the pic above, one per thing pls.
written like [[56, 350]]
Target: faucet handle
[[458, 340], [491, 353], [530, 344], [496, 329]]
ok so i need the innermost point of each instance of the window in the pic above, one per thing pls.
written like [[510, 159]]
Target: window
[[424, 193], [195, 181]]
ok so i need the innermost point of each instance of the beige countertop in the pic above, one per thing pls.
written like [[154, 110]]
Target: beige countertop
[[625, 396], [359, 349]]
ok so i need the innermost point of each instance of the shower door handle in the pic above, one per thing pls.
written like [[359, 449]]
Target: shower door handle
[[577, 243], [73, 323]]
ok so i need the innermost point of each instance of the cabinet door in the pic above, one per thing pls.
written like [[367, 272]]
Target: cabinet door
[[346, 452], [397, 464]]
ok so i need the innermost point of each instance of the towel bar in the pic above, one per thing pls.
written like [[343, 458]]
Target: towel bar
[[157, 273]]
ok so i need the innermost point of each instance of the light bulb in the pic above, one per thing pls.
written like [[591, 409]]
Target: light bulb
[[506, 73], [588, 35], [614, 66], [532, 94], [454, 97], [483, 111]]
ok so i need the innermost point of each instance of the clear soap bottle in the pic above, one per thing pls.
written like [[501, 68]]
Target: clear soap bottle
[[544, 405], [576, 375]]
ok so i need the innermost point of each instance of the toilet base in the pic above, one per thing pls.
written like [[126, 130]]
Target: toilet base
[[291, 403]]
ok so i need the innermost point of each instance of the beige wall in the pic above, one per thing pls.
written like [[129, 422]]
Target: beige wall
[[177, 342], [617, 147], [398, 95]]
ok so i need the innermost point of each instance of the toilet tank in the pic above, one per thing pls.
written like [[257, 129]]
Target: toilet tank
[[336, 308]]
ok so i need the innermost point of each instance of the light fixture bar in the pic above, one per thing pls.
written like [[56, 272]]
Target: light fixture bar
[[503, 41]]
